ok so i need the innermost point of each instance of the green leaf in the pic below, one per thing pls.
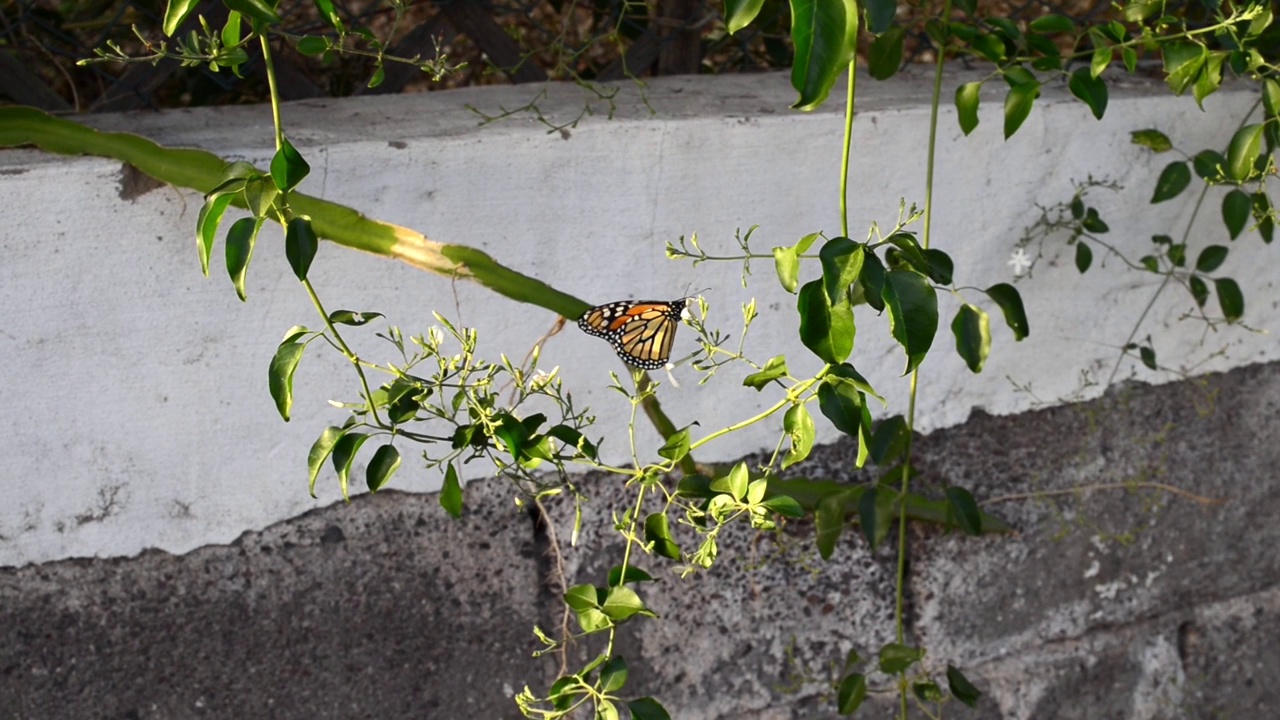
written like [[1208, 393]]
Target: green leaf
[[870, 285], [582, 597], [574, 439], [259, 194], [1236, 206], [739, 13], [300, 245], [989, 46], [657, 530], [967, 98], [913, 313], [841, 403], [965, 510], [1148, 356], [896, 658], [1098, 63], [1199, 291], [1017, 106], [1209, 164], [1090, 89], [385, 462], [1175, 178], [889, 441], [239, 251], [1084, 257], [344, 454], [312, 45], [875, 514], [1230, 299], [1262, 214], [880, 15], [613, 674], [1093, 223], [260, 10], [175, 13], [798, 425], [829, 521], [824, 34], [280, 377], [646, 708], [787, 264], [885, 56], [330, 14], [288, 167], [632, 574], [1153, 140], [353, 318], [961, 688], [1010, 302], [1136, 11], [736, 481], [1243, 152], [1271, 97], [853, 690], [1182, 63], [784, 505], [1211, 258], [841, 265], [676, 446], [939, 266], [972, 329], [207, 226], [451, 492], [622, 603], [1049, 24], [1209, 78], [826, 329], [320, 451], [1130, 57], [774, 369], [379, 75]]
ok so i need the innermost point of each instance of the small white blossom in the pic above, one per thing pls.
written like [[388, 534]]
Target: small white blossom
[[541, 378], [435, 335], [1020, 262], [670, 376]]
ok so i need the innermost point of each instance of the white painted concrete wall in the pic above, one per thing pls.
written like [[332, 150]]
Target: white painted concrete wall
[[137, 414]]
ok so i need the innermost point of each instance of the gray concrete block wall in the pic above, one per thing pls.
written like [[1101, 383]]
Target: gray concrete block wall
[[1113, 604]]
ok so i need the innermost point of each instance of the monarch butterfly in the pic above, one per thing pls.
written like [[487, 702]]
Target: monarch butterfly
[[640, 331]]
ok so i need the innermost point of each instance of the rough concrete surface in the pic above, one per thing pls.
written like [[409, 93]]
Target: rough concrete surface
[[1129, 602]]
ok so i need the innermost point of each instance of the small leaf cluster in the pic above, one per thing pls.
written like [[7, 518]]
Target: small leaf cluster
[[899, 659]]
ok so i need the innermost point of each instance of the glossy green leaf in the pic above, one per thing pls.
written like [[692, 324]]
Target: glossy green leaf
[[880, 15], [259, 195], [913, 313], [1209, 164], [657, 530], [1209, 78], [852, 691], [972, 330], [175, 13], [824, 35], [787, 264], [353, 318], [1010, 301], [312, 45], [582, 597], [889, 441], [1154, 140], [739, 13], [784, 505], [961, 688], [826, 329], [870, 285], [1262, 213], [622, 603], [1147, 354], [344, 454], [215, 205], [1199, 291], [1017, 106], [774, 369], [736, 481], [989, 46], [320, 451], [1093, 223], [330, 14], [1236, 208], [1271, 97], [841, 403], [451, 492], [676, 446], [1099, 62], [1182, 62], [1090, 89], [1084, 257], [260, 10], [613, 674], [798, 425], [1136, 11], [280, 376], [938, 266], [896, 658], [964, 509], [288, 167], [385, 463], [876, 512], [967, 98], [239, 251], [1049, 24], [885, 56], [841, 265], [1175, 178], [1230, 299], [1243, 152], [1130, 57], [646, 708], [829, 521], [300, 245], [633, 574], [574, 439]]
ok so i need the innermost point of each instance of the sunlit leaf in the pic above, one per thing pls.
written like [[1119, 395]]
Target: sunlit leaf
[[972, 330], [385, 462], [967, 97], [280, 376], [913, 313], [451, 492]]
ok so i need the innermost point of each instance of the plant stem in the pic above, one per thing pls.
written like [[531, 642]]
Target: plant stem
[[848, 140], [275, 93]]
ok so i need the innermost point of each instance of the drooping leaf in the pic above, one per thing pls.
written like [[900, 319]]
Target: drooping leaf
[[1199, 291], [852, 691], [239, 251], [889, 441], [885, 56], [1243, 152], [451, 492], [972, 330], [657, 530], [1084, 257], [841, 265], [300, 245], [344, 454], [280, 376], [880, 14], [288, 167], [1090, 89], [965, 510], [875, 515], [1236, 206], [261, 10], [613, 674], [829, 520], [175, 13], [913, 313], [1230, 299], [787, 264], [798, 425], [961, 688], [215, 205], [739, 13], [1010, 302], [320, 451], [646, 708], [824, 34], [676, 446], [825, 328], [967, 98], [1017, 106], [841, 403], [385, 462], [1175, 178], [1182, 62]]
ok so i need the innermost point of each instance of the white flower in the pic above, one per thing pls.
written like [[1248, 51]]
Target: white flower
[[1020, 262], [541, 378], [435, 335], [671, 377]]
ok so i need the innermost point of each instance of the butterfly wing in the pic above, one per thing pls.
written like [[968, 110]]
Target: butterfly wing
[[641, 332]]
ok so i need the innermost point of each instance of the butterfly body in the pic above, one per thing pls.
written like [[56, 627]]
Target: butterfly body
[[640, 331]]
